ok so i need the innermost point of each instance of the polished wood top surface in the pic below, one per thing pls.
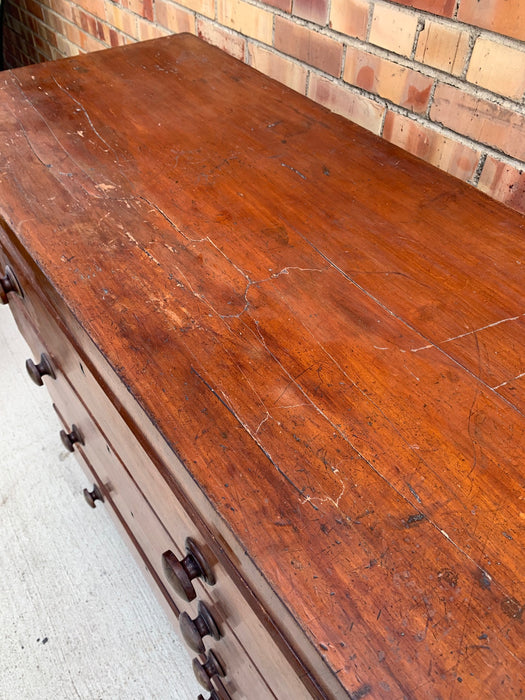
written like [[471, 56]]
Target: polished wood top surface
[[328, 333]]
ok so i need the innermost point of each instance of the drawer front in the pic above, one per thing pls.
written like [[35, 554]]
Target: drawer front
[[230, 606], [137, 520], [241, 673]]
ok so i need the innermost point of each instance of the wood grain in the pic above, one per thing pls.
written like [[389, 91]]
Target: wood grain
[[327, 332]]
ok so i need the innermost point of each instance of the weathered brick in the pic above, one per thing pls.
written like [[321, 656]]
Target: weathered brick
[[88, 23], [203, 7], [116, 38], [443, 47], [247, 19], [144, 8], [148, 30], [394, 29], [282, 69], [121, 19], [94, 7], [503, 182], [403, 86], [62, 8], [54, 21], [309, 46], [480, 120], [89, 43], [226, 40], [313, 10], [350, 17], [445, 8], [285, 5], [359, 109], [34, 8], [174, 18], [501, 16], [430, 145], [65, 47], [72, 33], [498, 68]]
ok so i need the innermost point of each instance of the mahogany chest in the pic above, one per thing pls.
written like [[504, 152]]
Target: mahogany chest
[[290, 358]]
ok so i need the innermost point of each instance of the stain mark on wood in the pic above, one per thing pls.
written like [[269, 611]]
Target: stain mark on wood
[[512, 609], [448, 576], [361, 692], [415, 519]]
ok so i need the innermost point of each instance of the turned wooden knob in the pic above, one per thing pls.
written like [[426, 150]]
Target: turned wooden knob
[[43, 368], [9, 283], [92, 496], [218, 691], [181, 573], [207, 668], [194, 631], [69, 439]]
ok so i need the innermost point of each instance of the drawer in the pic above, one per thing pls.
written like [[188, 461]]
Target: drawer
[[143, 563], [281, 671], [136, 519], [150, 533]]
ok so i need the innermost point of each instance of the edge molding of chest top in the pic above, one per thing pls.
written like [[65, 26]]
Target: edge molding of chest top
[[290, 358]]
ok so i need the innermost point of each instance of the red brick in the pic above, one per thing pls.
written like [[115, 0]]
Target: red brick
[[308, 46], [122, 20], [90, 43], [427, 143], [285, 5], [501, 16], [114, 38], [203, 7], [173, 18], [283, 69], [350, 17], [445, 8], [148, 30], [498, 68], [94, 7], [228, 41], [400, 85], [72, 33], [443, 47], [313, 10], [503, 182], [54, 21], [144, 8], [393, 29], [246, 19], [35, 8], [480, 120], [359, 109], [62, 8]]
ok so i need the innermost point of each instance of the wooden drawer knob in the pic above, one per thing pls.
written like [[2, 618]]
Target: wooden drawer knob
[[206, 669], [181, 573], [218, 692], [9, 283], [43, 368], [92, 496], [69, 439], [194, 631]]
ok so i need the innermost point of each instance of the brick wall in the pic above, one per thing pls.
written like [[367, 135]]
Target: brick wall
[[443, 79]]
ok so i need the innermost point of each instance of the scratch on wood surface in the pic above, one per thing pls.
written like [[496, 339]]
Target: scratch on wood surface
[[327, 499], [141, 248], [509, 381], [67, 154], [250, 432], [90, 122], [467, 333]]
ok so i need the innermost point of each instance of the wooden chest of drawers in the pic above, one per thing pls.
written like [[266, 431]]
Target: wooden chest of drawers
[[289, 357]]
